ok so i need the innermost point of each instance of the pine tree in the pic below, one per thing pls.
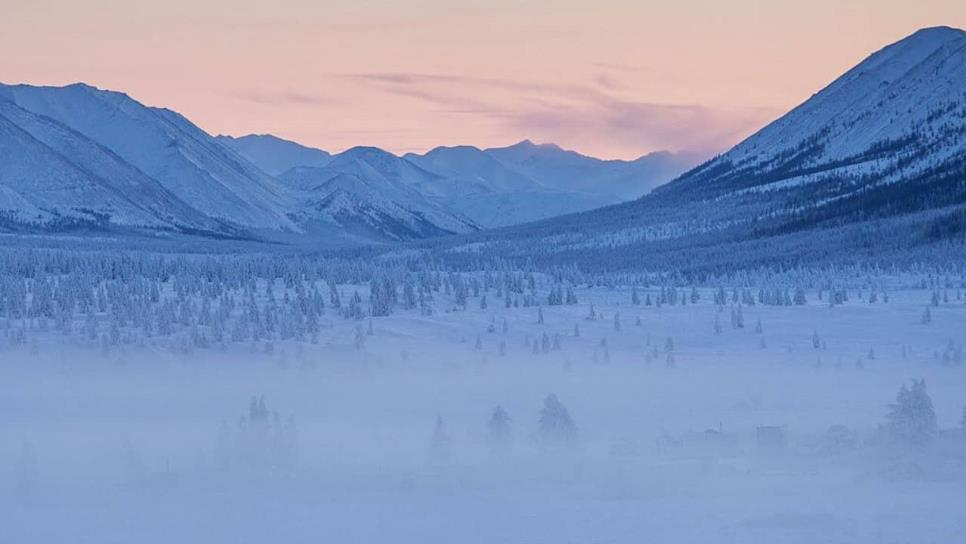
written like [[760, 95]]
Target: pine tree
[[555, 428], [911, 419], [498, 430], [441, 442]]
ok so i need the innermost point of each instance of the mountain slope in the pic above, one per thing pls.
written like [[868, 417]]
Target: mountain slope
[[869, 144], [874, 162], [477, 185], [494, 187], [53, 177], [615, 180], [370, 189], [166, 147], [275, 155]]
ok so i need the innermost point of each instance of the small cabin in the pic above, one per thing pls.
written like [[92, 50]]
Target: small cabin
[[770, 437]]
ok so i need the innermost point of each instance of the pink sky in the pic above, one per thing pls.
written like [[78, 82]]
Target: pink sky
[[606, 77]]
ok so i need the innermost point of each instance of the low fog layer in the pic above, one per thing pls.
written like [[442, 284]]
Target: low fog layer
[[600, 420]]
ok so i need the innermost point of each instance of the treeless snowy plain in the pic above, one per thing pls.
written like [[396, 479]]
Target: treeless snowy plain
[[384, 437]]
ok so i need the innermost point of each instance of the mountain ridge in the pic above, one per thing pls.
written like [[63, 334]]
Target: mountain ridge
[[882, 145]]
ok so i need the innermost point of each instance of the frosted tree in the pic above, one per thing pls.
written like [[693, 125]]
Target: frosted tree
[[669, 358], [409, 296], [499, 434], [555, 428], [441, 442], [335, 299], [911, 420], [571, 296]]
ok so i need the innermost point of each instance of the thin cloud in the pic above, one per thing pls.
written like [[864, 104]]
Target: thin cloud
[[574, 114], [288, 98]]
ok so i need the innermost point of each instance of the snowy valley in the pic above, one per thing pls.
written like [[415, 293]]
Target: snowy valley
[[246, 339]]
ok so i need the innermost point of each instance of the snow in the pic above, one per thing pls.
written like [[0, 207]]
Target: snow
[[124, 444], [163, 145], [884, 97], [275, 155], [174, 176]]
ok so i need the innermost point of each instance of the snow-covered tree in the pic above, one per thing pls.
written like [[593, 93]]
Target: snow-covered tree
[[555, 428], [498, 430], [441, 443], [911, 420]]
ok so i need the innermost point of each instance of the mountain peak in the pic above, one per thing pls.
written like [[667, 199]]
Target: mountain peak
[[937, 33], [365, 151], [529, 144], [914, 48]]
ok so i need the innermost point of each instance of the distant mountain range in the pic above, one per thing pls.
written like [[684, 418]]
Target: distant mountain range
[[77, 157], [875, 162], [491, 187]]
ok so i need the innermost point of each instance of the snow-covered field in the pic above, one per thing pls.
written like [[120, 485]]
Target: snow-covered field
[[686, 431]]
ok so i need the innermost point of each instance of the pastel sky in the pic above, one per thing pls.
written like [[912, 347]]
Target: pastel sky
[[614, 78]]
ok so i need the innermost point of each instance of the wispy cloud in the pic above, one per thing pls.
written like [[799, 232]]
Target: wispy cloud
[[288, 98], [595, 113]]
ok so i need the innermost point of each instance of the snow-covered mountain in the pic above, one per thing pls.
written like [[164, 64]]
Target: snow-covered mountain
[[875, 160], [54, 177], [79, 156], [366, 188], [887, 137], [166, 147], [275, 155], [474, 183], [527, 182], [494, 187], [614, 180], [888, 119]]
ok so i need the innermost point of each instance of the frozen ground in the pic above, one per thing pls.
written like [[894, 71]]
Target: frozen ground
[[141, 444]]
